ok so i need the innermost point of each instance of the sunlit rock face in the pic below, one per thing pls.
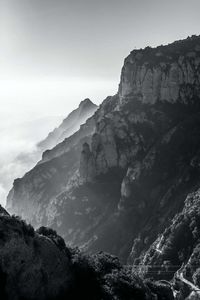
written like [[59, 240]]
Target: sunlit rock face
[[125, 174], [155, 75]]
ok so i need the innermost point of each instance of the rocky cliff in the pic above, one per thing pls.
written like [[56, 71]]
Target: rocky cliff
[[174, 255], [117, 182]]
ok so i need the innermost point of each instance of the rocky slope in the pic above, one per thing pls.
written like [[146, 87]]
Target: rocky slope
[[117, 182], [69, 125], [37, 265], [175, 253]]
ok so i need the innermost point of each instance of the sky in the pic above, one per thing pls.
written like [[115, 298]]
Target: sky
[[55, 53]]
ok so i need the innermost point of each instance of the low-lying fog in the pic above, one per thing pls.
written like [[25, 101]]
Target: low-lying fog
[[28, 111]]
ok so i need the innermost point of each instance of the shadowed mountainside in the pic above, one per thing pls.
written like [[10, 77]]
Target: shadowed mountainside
[[117, 182], [37, 265]]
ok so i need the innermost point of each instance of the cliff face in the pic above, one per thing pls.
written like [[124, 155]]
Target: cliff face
[[115, 184], [162, 75]]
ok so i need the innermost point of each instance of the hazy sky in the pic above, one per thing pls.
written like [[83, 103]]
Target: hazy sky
[[78, 46], [54, 53], [86, 38]]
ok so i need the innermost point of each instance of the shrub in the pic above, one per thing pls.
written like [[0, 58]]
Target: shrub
[[52, 234]]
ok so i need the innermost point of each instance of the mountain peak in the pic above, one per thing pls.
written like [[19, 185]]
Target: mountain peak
[[86, 102], [70, 124]]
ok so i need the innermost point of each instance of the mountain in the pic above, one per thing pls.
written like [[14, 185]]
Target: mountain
[[37, 265], [116, 184], [21, 148], [69, 125]]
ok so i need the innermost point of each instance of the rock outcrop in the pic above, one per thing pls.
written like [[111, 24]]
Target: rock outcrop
[[161, 75], [117, 182]]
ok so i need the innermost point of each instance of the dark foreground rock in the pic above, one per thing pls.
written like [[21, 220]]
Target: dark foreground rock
[[37, 265]]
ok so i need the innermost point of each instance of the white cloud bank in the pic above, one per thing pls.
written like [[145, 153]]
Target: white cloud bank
[[18, 150], [29, 109]]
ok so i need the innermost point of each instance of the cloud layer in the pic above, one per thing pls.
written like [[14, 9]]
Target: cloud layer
[[18, 150], [30, 110]]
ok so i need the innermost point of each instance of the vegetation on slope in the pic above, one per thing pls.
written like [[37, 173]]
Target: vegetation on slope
[[38, 265]]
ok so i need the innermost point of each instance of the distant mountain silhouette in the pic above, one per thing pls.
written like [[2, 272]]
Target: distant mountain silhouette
[[69, 125]]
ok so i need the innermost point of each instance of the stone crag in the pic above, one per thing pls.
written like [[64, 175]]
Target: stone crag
[[117, 182]]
